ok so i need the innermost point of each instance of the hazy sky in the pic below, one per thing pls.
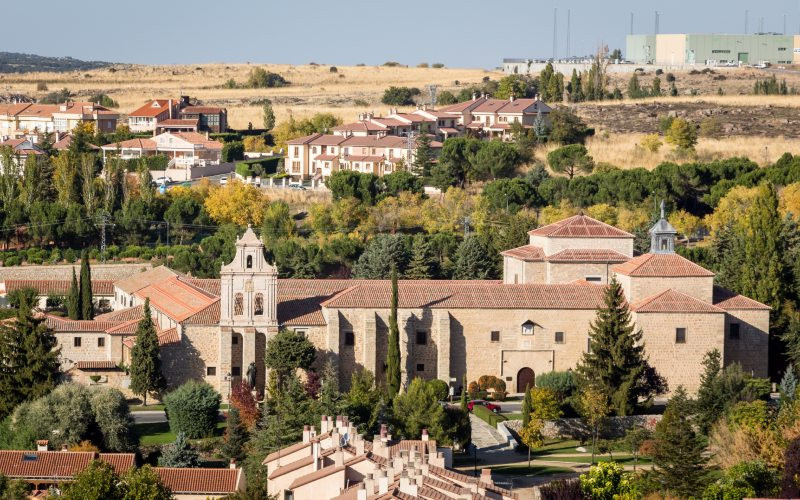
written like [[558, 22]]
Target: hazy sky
[[464, 33]]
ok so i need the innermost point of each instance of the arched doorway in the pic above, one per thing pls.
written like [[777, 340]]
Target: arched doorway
[[525, 378]]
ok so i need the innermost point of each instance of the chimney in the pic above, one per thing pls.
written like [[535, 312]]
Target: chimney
[[323, 424], [486, 476], [474, 96], [306, 433], [315, 454], [338, 457], [383, 483], [64, 447], [359, 445], [384, 433], [424, 434], [170, 109], [232, 465], [41, 445], [361, 493], [511, 98], [408, 485], [312, 433], [369, 483]]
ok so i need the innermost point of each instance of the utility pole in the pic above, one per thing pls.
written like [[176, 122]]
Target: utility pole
[[467, 220], [432, 91], [657, 22], [555, 32], [103, 223], [746, 19], [409, 146], [569, 14]]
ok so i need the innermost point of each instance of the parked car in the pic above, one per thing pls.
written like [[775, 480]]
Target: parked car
[[482, 402], [223, 181], [163, 180], [297, 185]]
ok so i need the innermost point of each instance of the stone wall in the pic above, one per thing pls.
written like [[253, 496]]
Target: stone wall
[[576, 428], [64, 271], [750, 349], [190, 358], [639, 288], [564, 272]]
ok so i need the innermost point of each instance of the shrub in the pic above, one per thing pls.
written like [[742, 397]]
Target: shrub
[[259, 167], [57, 97], [226, 136], [391, 64], [333, 69], [651, 142], [563, 489], [104, 100], [41, 86], [422, 65], [710, 127], [193, 409], [561, 383], [437, 65], [494, 385], [400, 96], [233, 151], [260, 78], [440, 388], [488, 415], [360, 102], [605, 481]]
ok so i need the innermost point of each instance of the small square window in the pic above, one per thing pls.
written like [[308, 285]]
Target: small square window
[[680, 335], [76, 341], [234, 339], [733, 331], [236, 371], [101, 342], [527, 328], [559, 337], [422, 338], [211, 371], [589, 344], [349, 338], [420, 367], [495, 336], [594, 279], [509, 379]]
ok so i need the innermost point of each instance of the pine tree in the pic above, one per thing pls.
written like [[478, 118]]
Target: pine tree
[[179, 454], [710, 404], [235, 437], [788, 387], [393, 350], [423, 156], [330, 399], [74, 299], [527, 407], [473, 261], [678, 457], [146, 376], [423, 262], [87, 303], [615, 364]]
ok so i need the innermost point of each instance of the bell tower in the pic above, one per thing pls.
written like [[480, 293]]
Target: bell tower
[[662, 235], [248, 313]]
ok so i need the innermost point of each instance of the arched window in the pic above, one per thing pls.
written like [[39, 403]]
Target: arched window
[[249, 261], [238, 305], [258, 306]]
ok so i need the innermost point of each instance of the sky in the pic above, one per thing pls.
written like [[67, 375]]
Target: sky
[[458, 33]]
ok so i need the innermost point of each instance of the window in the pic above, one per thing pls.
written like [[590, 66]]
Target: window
[[349, 338], [722, 51], [589, 344], [236, 371], [495, 336], [76, 341], [680, 335], [527, 328], [249, 262], [258, 306], [101, 341], [422, 338], [559, 337], [420, 367], [781, 49], [211, 371], [733, 331], [234, 339], [594, 279], [238, 305]]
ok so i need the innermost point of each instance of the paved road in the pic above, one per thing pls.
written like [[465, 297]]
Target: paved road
[[149, 417]]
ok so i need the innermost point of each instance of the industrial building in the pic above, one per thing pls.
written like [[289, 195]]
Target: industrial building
[[712, 49]]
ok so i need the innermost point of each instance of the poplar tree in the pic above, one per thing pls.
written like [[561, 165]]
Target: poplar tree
[[87, 302], [527, 406], [678, 457], [146, 376], [74, 299], [393, 350], [615, 364]]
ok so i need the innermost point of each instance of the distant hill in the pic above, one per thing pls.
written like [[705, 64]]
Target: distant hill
[[13, 62]]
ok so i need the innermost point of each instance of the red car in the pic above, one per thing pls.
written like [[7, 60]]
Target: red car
[[481, 402]]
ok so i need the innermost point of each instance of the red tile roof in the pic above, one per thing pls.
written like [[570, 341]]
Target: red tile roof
[[59, 324], [528, 253], [365, 126], [673, 301], [175, 122], [207, 110], [129, 314], [470, 295], [176, 298], [136, 282], [197, 138], [206, 316], [153, 108], [95, 365], [729, 300], [587, 255], [199, 480], [147, 144], [661, 265], [57, 465], [580, 226], [66, 141], [60, 287], [210, 285], [304, 140]]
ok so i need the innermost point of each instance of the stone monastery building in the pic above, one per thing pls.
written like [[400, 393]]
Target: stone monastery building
[[534, 321]]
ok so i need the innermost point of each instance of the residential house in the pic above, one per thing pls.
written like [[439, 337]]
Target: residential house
[[209, 118], [22, 119], [493, 118], [147, 117], [438, 123]]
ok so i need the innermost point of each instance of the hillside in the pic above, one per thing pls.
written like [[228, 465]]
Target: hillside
[[14, 62]]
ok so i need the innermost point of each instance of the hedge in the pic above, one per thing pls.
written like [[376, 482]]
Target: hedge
[[226, 136], [232, 151], [193, 409], [488, 415], [258, 166], [155, 162]]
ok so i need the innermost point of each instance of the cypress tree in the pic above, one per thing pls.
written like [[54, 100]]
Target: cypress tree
[[678, 457], [464, 406], [615, 364], [146, 376], [235, 437], [74, 299], [527, 406], [393, 350], [87, 303]]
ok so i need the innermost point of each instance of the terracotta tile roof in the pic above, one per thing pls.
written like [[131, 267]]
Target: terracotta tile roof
[[327, 157], [176, 299], [207, 316], [175, 122], [580, 226], [95, 365], [729, 300], [452, 475], [137, 281], [60, 287], [198, 139], [285, 451], [460, 107], [661, 265], [153, 108], [528, 253], [587, 255], [470, 295], [305, 139], [299, 464], [129, 314], [65, 142], [126, 327], [360, 126], [56, 465], [319, 474], [673, 301], [199, 480], [363, 158], [208, 110], [148, 144], [210, 285], [58, 324], [300, 311]]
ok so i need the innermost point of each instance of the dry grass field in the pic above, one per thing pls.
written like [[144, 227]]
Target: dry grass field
[[313, 89]]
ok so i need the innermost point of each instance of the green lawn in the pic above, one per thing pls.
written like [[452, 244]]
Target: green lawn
[[155, 407], [622, 459], [159, 433], [513, 416], [568, 446], [523, 470]]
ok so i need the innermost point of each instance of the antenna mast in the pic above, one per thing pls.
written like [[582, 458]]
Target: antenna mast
[[555, 32], [569, 14]]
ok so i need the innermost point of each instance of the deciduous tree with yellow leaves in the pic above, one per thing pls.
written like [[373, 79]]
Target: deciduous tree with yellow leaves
[[236, 203]]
